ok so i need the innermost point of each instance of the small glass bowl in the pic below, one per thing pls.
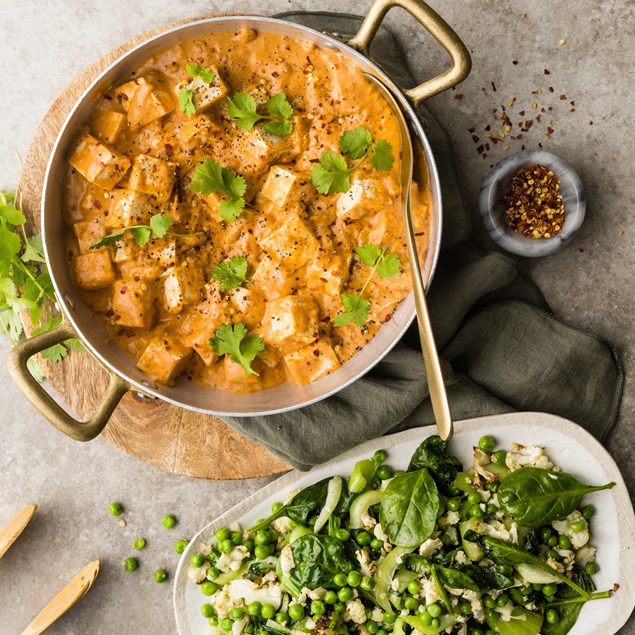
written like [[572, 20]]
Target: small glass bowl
[[497, 185]]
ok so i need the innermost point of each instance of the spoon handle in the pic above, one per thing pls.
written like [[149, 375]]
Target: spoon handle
[[15, 527]]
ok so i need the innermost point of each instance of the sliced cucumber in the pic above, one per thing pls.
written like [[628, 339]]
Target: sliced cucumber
[[473, 550], [535, 575], [361, 504]]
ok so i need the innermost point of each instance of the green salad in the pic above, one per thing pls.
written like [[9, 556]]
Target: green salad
[[502, 549]]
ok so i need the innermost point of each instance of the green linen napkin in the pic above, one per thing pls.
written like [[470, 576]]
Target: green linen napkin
[[502, 350]]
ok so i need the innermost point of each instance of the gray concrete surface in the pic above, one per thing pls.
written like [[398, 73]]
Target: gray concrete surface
[[44, 44]]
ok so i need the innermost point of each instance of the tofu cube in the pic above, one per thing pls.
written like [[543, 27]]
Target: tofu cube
[[88, 232], [94, 270], [365, 196], [250, 302], [311, 363], [235, 373], [273, 279], [153, 176], [164, 359], [183, 285], [128, 208], [291, 322], [292, 245], [280, 185], [328, 276], [132, 303], [108, 125], [143, 101], [203, 94], [97, 163], [260, 148], [198, 128]]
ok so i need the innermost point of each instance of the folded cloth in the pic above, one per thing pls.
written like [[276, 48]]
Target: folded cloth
[[502, 350]]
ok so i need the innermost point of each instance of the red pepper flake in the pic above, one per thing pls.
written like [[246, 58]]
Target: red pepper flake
[[590, 122], [471, 130], [563, 97], [550, 89], [572, 110], [547, 71], [493, 86], [475, 138], [458, 96], [480, 149], [488, 128], [521, 113], [514, 62]]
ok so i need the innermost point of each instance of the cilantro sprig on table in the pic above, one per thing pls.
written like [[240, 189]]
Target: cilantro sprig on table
[[332, 173], [158, 228], [25, 285], [387, 265], [211, 177], [231, 274], [232, 340], [243, 110], [186, 95]]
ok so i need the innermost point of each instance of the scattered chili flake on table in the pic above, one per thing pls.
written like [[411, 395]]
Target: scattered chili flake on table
[[535, 207]]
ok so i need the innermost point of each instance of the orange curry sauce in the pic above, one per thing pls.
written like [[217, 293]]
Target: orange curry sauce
[[136, 157]]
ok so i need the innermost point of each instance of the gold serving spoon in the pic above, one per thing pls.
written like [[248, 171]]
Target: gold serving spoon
[[15, 527], [436, 387]]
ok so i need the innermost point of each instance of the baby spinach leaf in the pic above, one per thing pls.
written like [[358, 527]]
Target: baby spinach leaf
[[317, 559], [433, 454], [535, 497], [300, 506], [494, 577], [409, 508], [522, 622]]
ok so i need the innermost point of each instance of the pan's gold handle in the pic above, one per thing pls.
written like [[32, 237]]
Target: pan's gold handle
[[45, 404], [437, 27]]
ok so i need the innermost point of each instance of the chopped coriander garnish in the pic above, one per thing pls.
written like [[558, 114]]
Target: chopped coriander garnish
[[332, 172], [231, 274], [158, 227], [204, 74], [210, 176], [186, 101], [387, 265], [243, 110], [232, 340]]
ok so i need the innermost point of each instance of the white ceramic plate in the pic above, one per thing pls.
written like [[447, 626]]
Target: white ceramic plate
[[569, 445]]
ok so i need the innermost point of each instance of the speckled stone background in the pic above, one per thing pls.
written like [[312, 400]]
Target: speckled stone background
[[586, 46]]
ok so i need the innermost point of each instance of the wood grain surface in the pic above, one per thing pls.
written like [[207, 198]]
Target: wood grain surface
[[165, 436]]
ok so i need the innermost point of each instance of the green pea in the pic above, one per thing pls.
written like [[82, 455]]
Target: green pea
[[213, 621], [489, 602], [249, 545], [411, 603], [197, 560], [236, 537], [379, 456], [330, 597], [525, 589], [426, 618], [435, 623], [318, 607], [115, 509], [545, 534], [486, 443], [564, 542], [414, 587], [553, 554], [553, 541], [262, 537], [591, 568], [223, 533], [276, 507], [476, 511], [552, 616], [342, 534], [236, 614], [434, 610], [588, 511], [491, 509], [536, 586], [384, 472], [282, 617], [477, 631], [502, 600], [354, 579], [209, 588], [207, 610], [180, 546], [340, 579], [160, 575], [549, 589], [249, 628], [213, 572], [376, 544], [465, 608], [453, 504], [339, 607], [296, 612], [271, 547], [261, 551], [499, 457], [474, 498], [226, 624], [254, 608], [577, 526], [390, 618], [226, 546], [169, 522], [139, 544], [363, 538], [345, 594], [372, 627], [268, 611], [131, 564], [381, 631]]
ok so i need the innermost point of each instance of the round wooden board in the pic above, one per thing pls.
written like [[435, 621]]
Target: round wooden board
[[170, 438]]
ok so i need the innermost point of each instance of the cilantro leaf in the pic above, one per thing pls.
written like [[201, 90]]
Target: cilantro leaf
[[186, 101], [33, 249], [388, 266], [35, 369], [232, 340], [210, 177], [356, 310], [355, 143], [279, 105], [141, 234], [331, 174], [369, 254], [9, 242], [12, 215], [204, 74], [281, 128], [55, 353], [242, 109], [382, 157], [160, 224], [231, 274], [110, 239]]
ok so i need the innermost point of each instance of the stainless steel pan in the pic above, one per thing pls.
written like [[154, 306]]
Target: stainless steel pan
[[80, 321]]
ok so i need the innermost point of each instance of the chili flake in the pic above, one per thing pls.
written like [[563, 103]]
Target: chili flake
[[535, 207]]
